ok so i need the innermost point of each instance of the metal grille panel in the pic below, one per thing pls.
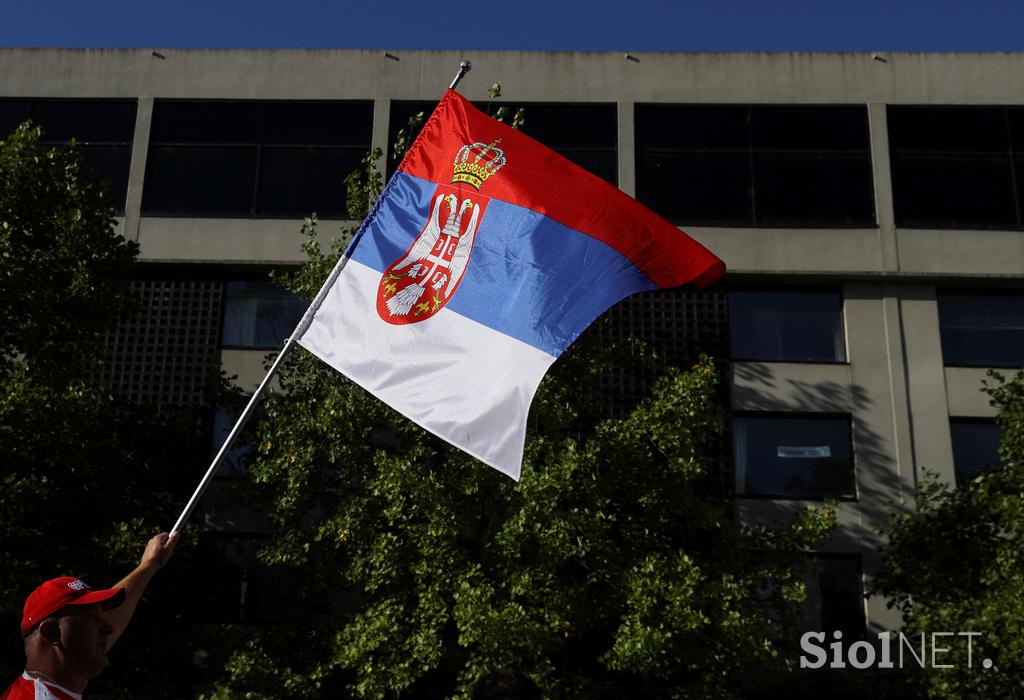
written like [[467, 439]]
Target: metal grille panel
[[676, 326], [168, 352]]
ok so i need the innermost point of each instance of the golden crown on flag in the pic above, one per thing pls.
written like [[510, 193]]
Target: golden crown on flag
[[476, 162]]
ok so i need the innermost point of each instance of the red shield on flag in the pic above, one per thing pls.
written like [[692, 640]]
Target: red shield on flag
[[421, 282]]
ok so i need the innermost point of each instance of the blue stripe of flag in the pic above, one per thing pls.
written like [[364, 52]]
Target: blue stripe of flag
[[529, 277]]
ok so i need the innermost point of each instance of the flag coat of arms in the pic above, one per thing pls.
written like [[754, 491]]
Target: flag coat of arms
[[484, 258]]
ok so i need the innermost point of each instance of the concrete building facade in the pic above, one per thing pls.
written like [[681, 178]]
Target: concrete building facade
[[899, 262]]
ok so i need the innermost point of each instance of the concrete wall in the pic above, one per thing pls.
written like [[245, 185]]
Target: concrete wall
[[907, 78]]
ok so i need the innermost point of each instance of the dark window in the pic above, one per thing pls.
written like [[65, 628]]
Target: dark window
[[586, 134], [399, 116], [975, 446], [103, 131], [200, 180], [836, 596], [266, 159], [793, 457], [786, 325], [982, 330], [13, 113], [771, 165], [259, 315], [957, 167], [236, 462], [239, 587]]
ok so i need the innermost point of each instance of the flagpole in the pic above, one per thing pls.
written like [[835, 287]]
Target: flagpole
[[300, 329], [232, 436], [289, 345], [464, 68]]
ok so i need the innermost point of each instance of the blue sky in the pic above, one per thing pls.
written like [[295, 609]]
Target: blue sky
[[627, 25]]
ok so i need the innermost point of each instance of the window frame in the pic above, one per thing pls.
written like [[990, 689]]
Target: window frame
[[752, 151], [249, 278], [977, 468], [259, 144], [32, 103], [1013, 154], [790, 289], [974, 292], [796, 415]]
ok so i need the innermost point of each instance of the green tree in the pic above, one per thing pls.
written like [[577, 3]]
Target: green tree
[[956, 564], [405, 568], [85, 478], [64, 272]]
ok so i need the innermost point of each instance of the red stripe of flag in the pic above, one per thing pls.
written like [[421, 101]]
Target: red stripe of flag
[[537, 178]]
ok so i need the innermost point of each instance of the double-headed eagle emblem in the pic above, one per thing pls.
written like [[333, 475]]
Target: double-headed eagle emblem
[[420, 283]]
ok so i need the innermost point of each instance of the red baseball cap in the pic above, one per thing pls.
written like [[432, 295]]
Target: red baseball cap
[[59, 592]]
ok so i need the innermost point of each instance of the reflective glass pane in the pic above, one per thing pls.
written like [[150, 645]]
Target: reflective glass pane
[[975, 447], [947, 129], [200, 181], [1018, 165], [400, 114], [955, 191], [1016, 119], [299, 181], [793, 457], [258, 314], [268, 158], [111, 164], [602, 163], [12, 113], [692, 127], [786, 326], [318, 123], [103, 129], [587, 126], [982, 330], [774, 165], [809, 189], [205, 122], [586, 134], [788, 127], [85, 120], [696, 188]]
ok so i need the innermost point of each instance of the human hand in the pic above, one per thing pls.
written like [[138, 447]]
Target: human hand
[[159, 550]]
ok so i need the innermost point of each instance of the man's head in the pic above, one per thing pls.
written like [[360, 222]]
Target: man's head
[[63, 626]]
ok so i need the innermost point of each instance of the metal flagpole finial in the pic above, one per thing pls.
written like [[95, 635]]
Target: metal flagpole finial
[[464, 68]]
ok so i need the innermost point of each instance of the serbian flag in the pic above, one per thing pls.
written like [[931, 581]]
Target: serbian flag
[[485, 257]]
